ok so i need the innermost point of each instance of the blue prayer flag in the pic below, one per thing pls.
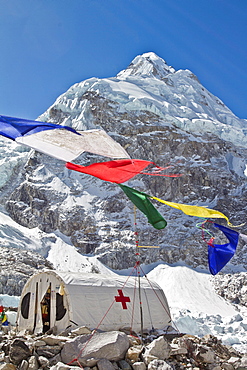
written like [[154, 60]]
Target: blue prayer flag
[[220, 254]]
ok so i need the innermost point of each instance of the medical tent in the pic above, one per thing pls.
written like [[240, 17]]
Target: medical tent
[[111, 302]]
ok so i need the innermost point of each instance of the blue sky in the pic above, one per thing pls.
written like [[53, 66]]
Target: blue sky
[[48, 45]]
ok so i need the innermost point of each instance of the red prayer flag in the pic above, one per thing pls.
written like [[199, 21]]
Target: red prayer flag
[[119, 171], [114, 171]]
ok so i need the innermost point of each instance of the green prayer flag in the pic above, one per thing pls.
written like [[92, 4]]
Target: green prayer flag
[[142, 202]]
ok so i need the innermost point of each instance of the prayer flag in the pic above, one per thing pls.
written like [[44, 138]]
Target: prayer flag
[[142, 202], [114, 171], [194, 210], [220, 254]]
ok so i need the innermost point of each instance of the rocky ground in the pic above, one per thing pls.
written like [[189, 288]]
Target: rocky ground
[[83, 349]]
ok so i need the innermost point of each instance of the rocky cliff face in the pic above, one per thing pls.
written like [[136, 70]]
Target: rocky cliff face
[[16, 267], [155, 113]]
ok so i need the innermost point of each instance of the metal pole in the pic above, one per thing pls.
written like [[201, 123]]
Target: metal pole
[[140, 299], [138, 272]]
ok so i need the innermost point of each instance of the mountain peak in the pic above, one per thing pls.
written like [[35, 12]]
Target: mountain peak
[[147, 65]]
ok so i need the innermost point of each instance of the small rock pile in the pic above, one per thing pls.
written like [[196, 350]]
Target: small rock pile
[[82, 349]]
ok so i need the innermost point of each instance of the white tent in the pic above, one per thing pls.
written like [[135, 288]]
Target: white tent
[[92, 300]]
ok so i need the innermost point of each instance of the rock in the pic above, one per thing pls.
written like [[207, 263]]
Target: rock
[[54, 340], [39, 343], [133, 353], [105, 364], [62, 366], [23, 365], [18, 351], [243, 361], [7, 367], [227, 366], [48, 351], [81, 330], [2, 355], [43, 362], [176, 350], [204, 354], [159, 348], [54, 360], [139, 366], [33, 363], [88, 349], [124, 365], [134, 341], [234, 361], [159, 365], [149, 358]]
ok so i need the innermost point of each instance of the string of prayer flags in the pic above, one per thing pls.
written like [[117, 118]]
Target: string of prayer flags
[[142, 202]]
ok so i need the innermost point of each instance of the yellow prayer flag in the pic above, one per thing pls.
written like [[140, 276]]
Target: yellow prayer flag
[[194, 210]]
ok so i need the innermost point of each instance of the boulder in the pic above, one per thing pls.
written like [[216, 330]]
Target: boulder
[[81, 330], [124, 365], [204, 354], [54, 340], [48, 351], [7, 367], [62, 366], [105, 364], [243, 361], [23, 365], [54, 360], [139, 366], [226, 366], [88, 349], [133, 353], [33, 363], [18, 351], [159, 348], [43, 362], [39, 343]]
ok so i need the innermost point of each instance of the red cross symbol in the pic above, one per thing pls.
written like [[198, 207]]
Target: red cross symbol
[[121, 298]]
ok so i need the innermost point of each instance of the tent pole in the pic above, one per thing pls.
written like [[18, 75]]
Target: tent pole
[[36, 307], [138, 272], [140, 300]]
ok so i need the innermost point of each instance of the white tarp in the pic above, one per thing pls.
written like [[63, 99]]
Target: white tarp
[[67, 145], [96, 301]]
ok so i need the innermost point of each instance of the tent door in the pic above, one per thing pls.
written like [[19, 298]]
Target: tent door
[[45, 305]]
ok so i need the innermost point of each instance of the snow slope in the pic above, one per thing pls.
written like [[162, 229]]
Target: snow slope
[[197, 309], [185, 286]]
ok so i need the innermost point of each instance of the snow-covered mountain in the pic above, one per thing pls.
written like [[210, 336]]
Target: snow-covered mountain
[[155, 113]]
